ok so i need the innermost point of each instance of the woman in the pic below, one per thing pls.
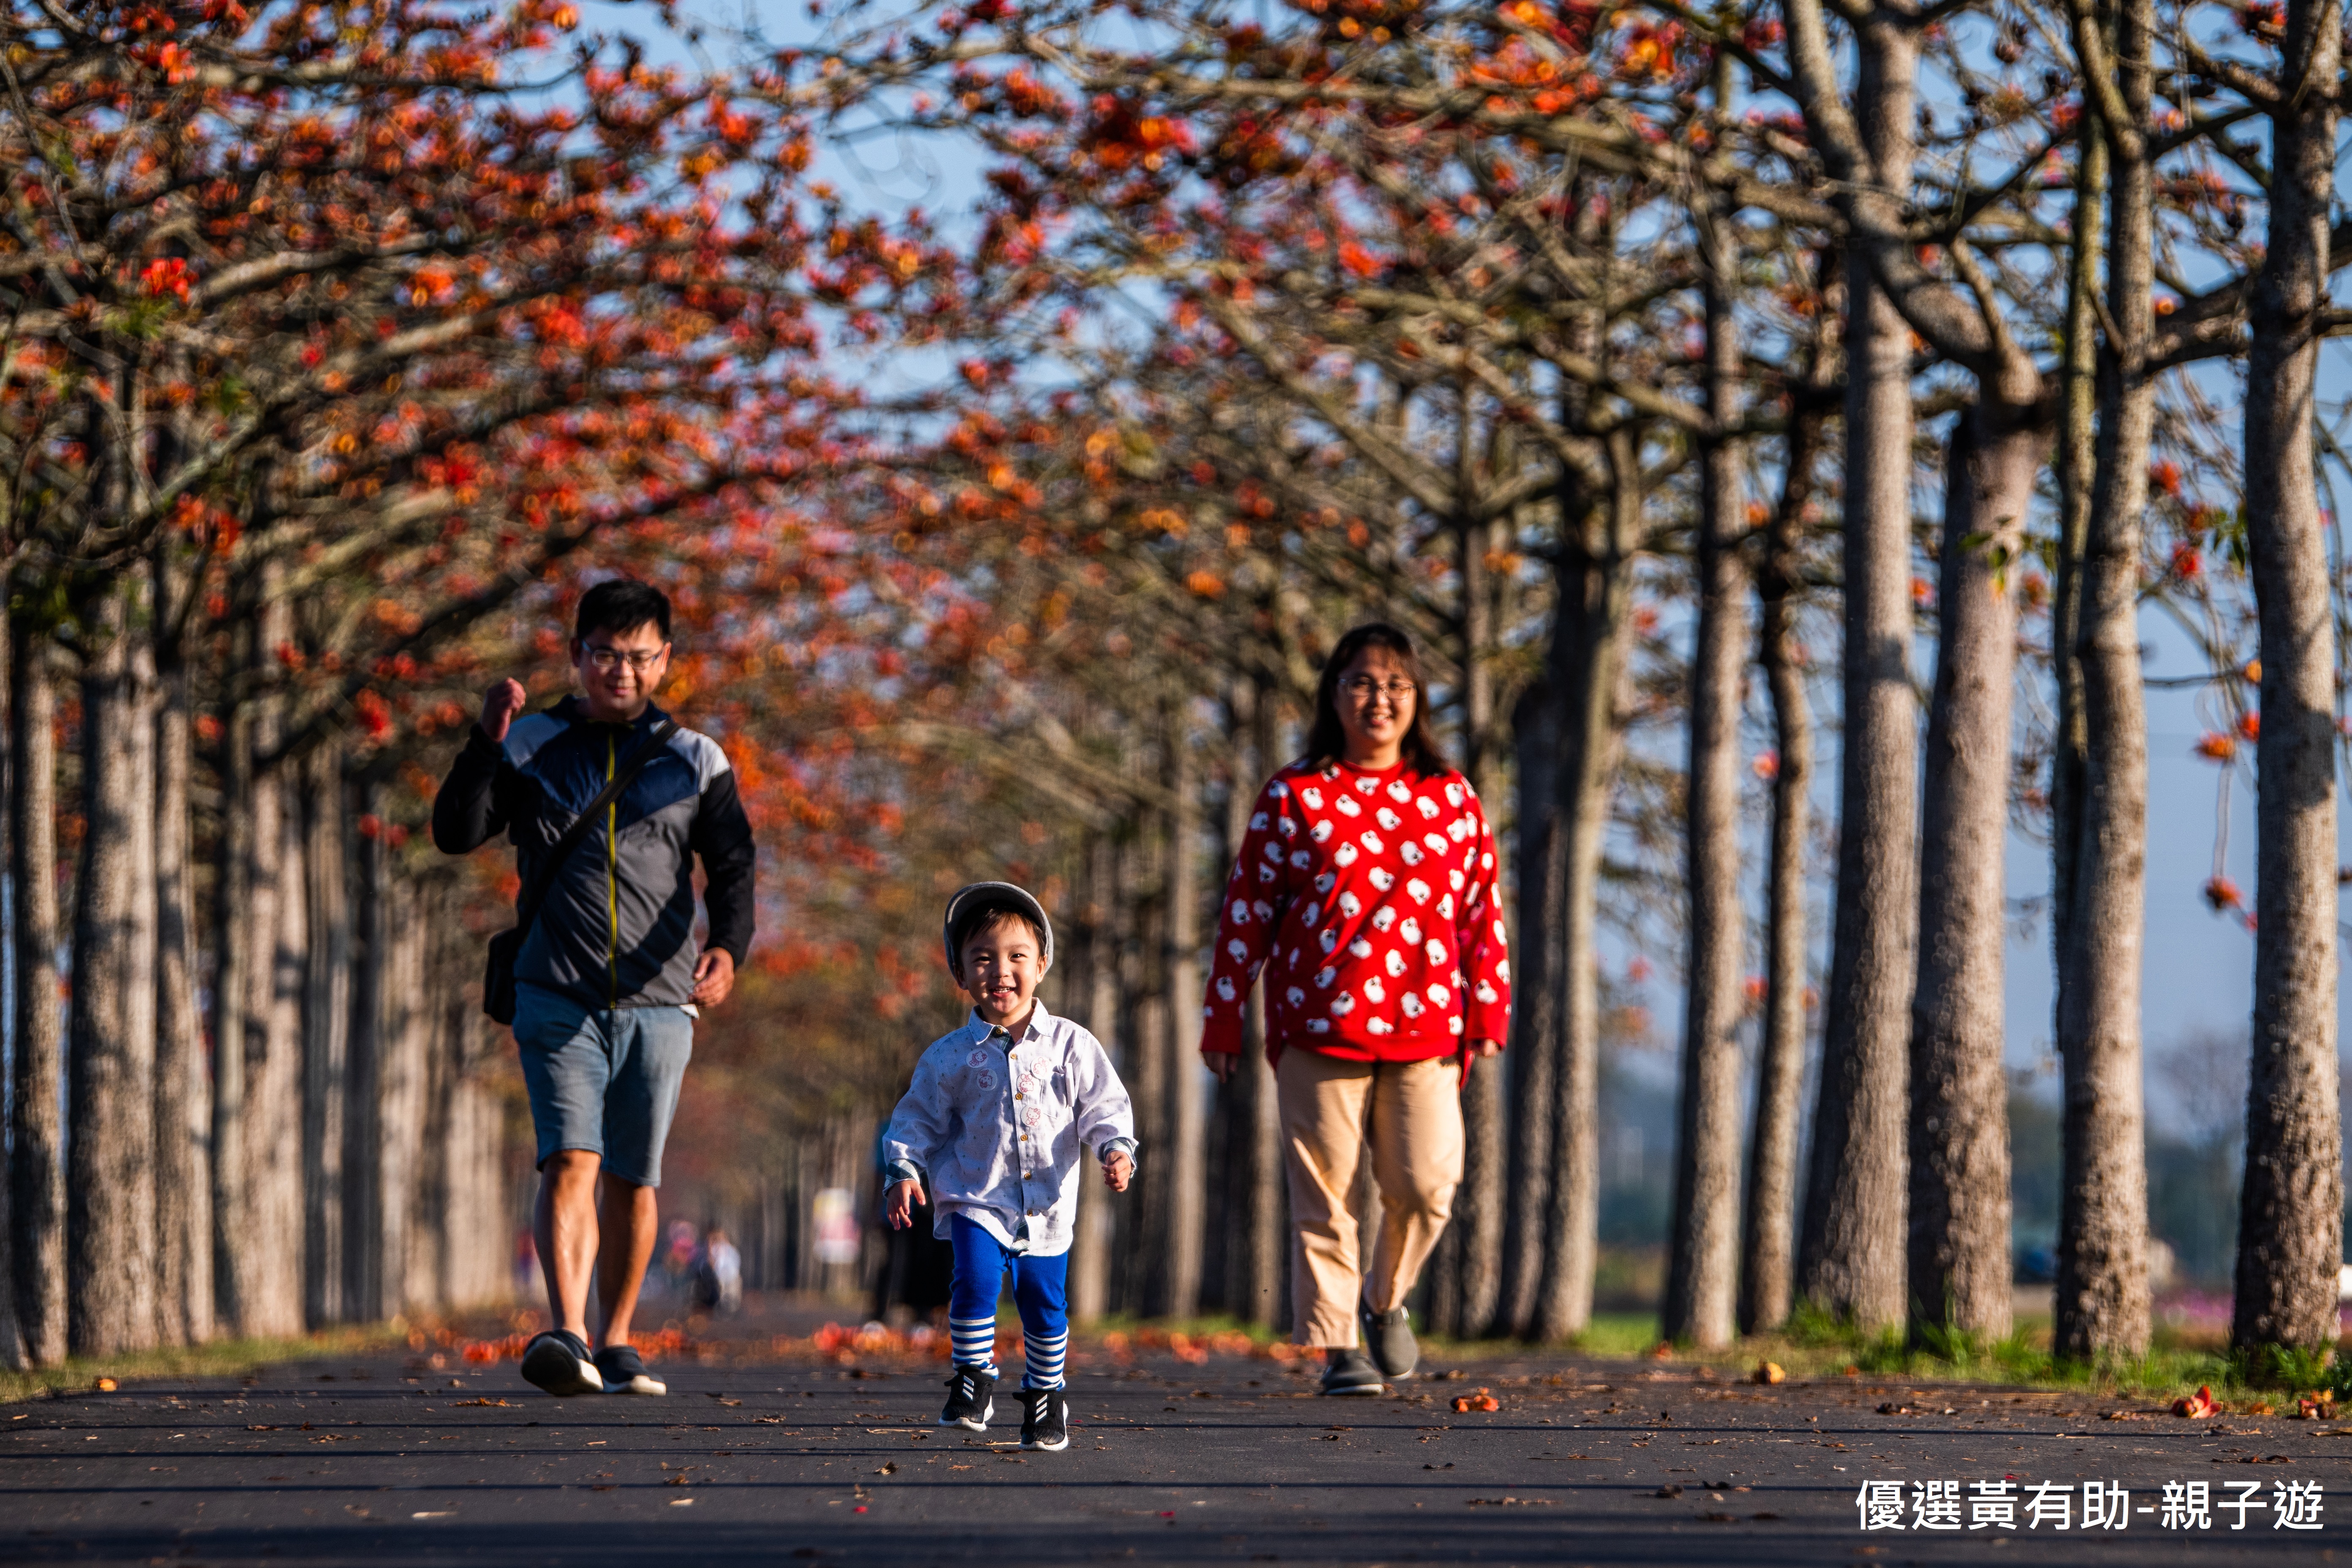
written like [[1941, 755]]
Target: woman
[[1366, 888]]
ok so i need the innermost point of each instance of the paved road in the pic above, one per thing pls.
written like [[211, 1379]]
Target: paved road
[[804, 1461]]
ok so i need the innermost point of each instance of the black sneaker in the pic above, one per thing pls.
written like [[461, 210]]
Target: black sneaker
[[1389, 1338], [970, 1399], [1350, 1372], [1045, 1420], [624, 1372], [559, 1363]]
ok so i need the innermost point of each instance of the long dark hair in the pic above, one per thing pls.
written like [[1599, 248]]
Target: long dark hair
[[1327, 742]]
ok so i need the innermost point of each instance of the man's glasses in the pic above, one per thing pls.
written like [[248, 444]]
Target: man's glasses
[[611, 658], [1363, 689]]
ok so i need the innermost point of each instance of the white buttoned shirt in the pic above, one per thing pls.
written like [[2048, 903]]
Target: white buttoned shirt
[[1002, 1126]]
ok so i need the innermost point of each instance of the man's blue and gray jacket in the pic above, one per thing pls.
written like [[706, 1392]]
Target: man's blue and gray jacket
[[617, 928]]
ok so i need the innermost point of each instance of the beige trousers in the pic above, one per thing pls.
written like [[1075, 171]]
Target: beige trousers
[[1408, 1117]]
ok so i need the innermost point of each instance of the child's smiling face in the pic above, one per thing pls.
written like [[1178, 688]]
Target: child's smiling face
[[1003, 963]]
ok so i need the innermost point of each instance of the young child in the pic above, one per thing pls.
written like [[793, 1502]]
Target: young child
[[1000, 1112]]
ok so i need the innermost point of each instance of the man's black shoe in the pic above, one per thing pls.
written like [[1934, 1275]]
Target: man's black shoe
[[970, 1399], [1045, 1420], [559, 1363], [624, 1372], [1389, 1338], [1350, 1372]]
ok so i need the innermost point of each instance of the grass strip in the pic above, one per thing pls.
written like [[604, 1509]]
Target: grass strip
[[219, 1359]]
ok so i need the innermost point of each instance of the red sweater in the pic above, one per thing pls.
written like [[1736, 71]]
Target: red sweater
[[1370, 899]]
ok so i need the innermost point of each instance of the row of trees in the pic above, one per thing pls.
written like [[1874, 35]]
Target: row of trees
[[1614, 352], [328, 342], [1525, 324]]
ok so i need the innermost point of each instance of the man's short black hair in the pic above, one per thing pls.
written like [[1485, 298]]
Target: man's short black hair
[[621, 605]]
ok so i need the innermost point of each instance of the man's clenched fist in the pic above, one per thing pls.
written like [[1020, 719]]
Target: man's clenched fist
[[499, 706]]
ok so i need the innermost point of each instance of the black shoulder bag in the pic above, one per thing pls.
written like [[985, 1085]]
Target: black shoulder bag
[[499, 971]]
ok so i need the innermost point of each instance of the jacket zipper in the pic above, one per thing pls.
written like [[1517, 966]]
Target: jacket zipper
[[612, 887]]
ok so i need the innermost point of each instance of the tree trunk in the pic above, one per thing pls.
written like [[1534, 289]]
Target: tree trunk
[[407, 912], [233, 1253], [12, 1343], [1187, 1120], [1090, 1246], [1533, 1061], [1852, 1259], [272, 1272], [1766, 1272], [2100, 844], [1596, 584], [183, 1252], [326, 1036], [1145, 1292], [111, 1177], [1253, 1128], [1703, 1253], [37, 1199], [1471, 1279], [1959, 1254], [2290, 1213]]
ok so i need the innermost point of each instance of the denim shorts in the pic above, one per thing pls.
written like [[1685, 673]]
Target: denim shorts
[[604, 1081]]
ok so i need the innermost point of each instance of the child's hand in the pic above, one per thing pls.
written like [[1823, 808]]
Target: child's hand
[[1118, 1169], [898, 1203]]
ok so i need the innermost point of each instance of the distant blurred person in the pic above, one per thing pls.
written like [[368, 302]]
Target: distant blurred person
[[608, 804], [679, 1260], [719, 1281]]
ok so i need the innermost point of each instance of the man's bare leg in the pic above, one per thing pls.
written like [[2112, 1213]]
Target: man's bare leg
[[631, 1215], [564, 1223]]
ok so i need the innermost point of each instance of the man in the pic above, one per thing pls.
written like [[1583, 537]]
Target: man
[[608, 978]]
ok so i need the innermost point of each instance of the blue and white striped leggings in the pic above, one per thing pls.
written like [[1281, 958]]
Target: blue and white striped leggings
[[1038, 1289]]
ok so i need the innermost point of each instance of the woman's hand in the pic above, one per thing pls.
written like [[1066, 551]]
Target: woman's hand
[[1223, 1064], [1472, 1049], [898, 1203], [1118, 1169]]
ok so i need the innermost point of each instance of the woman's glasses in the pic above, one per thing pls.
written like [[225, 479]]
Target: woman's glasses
[[1363, 689], [612, 659]]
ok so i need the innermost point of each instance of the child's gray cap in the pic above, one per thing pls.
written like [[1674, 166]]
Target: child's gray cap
[[997, 896]]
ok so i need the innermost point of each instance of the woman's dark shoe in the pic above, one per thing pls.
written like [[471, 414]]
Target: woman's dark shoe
[[624, 1372], [559, 1363], [1390, 1338], [1045, 1420], [970, 1399], [1350, 1372]]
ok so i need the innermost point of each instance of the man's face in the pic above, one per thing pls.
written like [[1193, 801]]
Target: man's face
[[1001, 966], [619, 671]]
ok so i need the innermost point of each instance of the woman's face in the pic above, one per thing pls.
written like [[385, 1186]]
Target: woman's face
[[1376, 705]]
